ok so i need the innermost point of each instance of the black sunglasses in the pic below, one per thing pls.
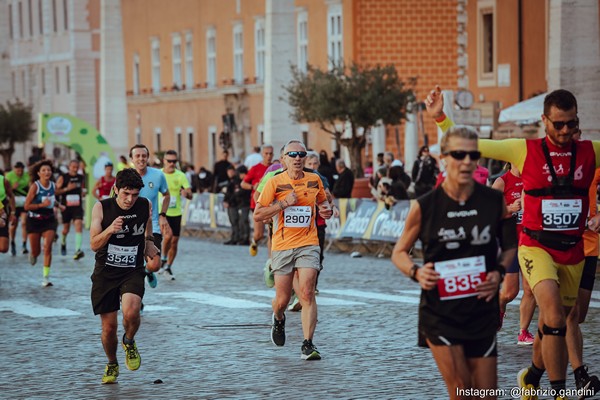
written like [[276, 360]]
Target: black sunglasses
[[461, 154], [559, 125], [294, 154], [171, 161]]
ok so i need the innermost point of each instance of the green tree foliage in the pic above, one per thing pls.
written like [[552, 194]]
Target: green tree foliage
[[16, 126], [357, 97]]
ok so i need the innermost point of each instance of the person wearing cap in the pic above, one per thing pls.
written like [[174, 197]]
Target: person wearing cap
[[104, 185], [19, 182]]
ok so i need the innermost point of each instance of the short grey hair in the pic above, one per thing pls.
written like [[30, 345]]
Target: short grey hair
[[340, 163], [293, 141], [313, 154], [266, 146], [458, 131]]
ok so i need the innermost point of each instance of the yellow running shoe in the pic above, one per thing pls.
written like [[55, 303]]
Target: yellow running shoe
[[528, 390], [111, 372], [133, 360], [253, 248]]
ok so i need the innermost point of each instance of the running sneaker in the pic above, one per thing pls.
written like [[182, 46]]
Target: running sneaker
[[295, 305], [500, 320], [525, 338], [63, 249], [111, 372], [278, 331], [162, 266], [133, 360], [268, 274], [253, 248], [46, 282], [25, 251], [586, 382], [152, 280], [13, 249], [169, 274], [522, 383], [309, 351], [78, 255], [32, 259]]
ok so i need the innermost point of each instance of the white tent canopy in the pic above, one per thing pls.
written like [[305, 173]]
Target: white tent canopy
[[523, 113]]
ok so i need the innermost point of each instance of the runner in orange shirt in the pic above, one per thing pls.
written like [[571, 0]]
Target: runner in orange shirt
[[291, 199]]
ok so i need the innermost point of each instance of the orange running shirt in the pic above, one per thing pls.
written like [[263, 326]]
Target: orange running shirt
[[295, 226]]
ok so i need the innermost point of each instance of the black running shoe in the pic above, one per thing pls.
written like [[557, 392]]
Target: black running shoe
[[13, 249], [278, 331], [589, 384], [78, 255], [63, 249], [309, 351]]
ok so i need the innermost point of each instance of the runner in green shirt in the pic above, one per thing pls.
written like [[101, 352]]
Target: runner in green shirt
[[19, 182], [178, 186]]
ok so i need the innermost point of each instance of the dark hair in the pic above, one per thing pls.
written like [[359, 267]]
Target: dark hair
[[171, 153], [242, 169], [35, 169], [395, 173], [138, 146], [123, 159], [19, 164], [422, 149], [129, 178], [561, 99]]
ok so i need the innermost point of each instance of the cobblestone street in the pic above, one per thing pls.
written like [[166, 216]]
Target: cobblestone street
[[207, 334]]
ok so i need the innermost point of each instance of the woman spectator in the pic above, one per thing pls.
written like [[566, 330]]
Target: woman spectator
[[461, 225], [424, 172]]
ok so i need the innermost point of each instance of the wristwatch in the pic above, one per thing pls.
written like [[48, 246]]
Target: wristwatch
[[162, 214], [413, 272]]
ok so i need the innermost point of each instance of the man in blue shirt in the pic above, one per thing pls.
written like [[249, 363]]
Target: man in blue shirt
[[154, 183]]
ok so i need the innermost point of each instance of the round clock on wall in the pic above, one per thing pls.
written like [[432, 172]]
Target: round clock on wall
[[464, 99]]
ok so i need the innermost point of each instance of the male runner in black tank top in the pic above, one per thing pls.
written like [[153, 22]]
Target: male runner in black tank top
[[71, 187], [121, 236]]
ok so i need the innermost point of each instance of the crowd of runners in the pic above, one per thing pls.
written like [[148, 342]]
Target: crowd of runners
[[537, 221]]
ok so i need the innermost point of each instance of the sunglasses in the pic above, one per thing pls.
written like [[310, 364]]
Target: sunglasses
[[294, 154], [461, 154], [171, 161], [559, 125]]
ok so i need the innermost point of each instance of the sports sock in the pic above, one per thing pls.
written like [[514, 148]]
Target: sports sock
[[63, 241], [46, 271], [78, 240]]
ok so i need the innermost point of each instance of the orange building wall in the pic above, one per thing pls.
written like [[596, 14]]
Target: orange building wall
[[418, 37], [507, 50]]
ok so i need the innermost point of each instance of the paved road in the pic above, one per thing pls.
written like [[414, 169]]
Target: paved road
[[206, 334]]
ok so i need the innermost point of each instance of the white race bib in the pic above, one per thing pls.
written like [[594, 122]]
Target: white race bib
[[19, 201], [121, 256], [297, 216], [173, 202], [561, 214], [459, 278], [104, 197], [51, 198], [73, 200]]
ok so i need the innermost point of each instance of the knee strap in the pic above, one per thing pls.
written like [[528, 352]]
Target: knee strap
[[554, 331]]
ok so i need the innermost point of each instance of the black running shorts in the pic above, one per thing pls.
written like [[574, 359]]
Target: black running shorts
[[71, 214], [40, 225], [175, 224], [109, 284], [589, 273], [476, 348]]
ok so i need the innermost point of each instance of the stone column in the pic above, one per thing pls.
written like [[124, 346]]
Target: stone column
[[113, 103], [280, 38], [411, 142], [574, 57]]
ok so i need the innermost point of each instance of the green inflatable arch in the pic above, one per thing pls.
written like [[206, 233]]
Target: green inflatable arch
[[83, 138]]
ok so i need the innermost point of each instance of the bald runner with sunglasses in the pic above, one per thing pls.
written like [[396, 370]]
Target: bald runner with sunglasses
[[292, 199], [557, 172]]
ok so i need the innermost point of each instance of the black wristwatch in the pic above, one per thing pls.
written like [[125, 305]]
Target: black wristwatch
[[162, 214], [413, 272]]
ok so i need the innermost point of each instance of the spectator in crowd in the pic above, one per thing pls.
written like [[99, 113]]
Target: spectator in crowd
[[397, 174], [379, 160], [424, 172], [369, 170], [220, 172], [253, 158], [205, 180], [388, 158], [191, 176], [325, 168], [345, 182], [237, 202]]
